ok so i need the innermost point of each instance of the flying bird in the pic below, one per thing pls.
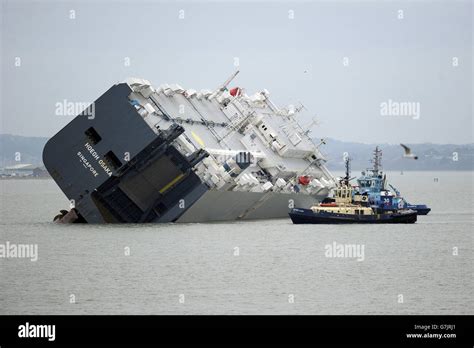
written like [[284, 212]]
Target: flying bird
[[408, 153]]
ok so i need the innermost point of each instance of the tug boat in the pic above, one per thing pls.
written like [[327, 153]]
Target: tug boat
[[373, 183], [351, 206]]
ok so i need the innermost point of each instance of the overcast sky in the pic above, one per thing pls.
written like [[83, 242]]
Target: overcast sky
[[342, 60]]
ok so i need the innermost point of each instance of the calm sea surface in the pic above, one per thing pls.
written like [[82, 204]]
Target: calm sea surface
[[263, 267]]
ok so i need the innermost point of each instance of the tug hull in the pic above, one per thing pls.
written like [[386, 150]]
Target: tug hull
[[421, 209], [307, 216]]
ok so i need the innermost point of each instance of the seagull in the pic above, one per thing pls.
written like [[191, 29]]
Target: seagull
[[408, 153]]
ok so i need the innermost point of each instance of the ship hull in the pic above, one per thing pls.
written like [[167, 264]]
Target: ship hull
[[307, 216], [217, 205], [421, 209]]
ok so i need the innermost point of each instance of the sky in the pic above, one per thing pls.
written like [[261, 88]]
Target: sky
[[367, 71]]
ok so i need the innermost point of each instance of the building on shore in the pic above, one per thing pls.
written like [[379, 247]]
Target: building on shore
[[24, 170]]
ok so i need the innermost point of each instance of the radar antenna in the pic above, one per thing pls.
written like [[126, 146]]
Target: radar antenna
[[377, 160], [347, 177]]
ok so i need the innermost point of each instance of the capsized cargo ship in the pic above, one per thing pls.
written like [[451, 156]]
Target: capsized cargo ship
[[170, 154]]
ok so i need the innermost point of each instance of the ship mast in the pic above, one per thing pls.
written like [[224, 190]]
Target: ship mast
[[347, 177], [223, 87], [377, 160], [229, 80]]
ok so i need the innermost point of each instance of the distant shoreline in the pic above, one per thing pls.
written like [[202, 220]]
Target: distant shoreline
[[405, 170], [24, 178], [432, 157], [332, 170]]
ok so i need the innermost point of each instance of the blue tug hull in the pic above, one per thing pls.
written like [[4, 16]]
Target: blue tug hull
[[421, 209]]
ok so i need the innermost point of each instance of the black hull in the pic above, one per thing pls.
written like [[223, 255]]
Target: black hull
[[422, 211], [307, 216]]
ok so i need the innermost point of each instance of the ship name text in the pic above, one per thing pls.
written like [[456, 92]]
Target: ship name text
[[95, 156]]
